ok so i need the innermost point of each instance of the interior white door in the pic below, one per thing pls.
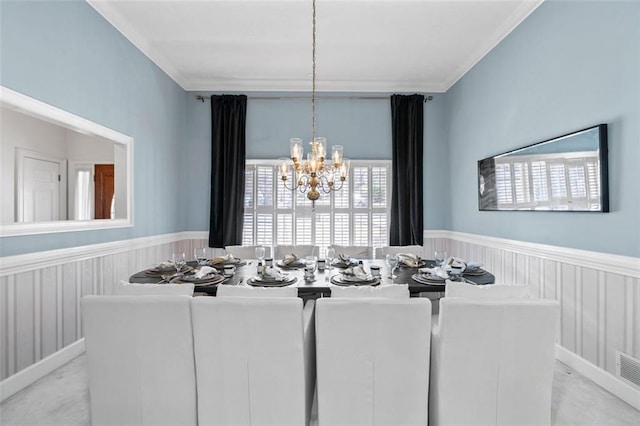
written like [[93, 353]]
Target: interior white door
[[41, 190]]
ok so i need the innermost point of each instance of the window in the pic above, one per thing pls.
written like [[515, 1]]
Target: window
[[357, 214]]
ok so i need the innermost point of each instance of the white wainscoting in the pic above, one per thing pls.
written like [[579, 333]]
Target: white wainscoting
[[40, 294], [599, 295]]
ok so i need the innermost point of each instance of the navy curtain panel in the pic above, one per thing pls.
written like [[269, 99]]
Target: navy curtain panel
[[228, 123], [406, 187]]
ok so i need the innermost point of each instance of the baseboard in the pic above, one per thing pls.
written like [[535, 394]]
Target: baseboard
[[599, 376], [31, 374]]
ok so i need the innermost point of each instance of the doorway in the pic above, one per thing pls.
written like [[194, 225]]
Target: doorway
[[103, 190]]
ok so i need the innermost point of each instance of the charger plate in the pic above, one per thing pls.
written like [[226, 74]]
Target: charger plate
[[339, 279], [209, 279], [260, 282], [474, 272], [234, 262]]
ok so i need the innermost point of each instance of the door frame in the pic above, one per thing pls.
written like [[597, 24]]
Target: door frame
[[21, 154]]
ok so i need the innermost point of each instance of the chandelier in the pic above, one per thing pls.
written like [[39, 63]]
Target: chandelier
[[317, 174]]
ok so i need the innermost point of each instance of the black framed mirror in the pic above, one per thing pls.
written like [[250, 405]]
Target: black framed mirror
[[566, 173]]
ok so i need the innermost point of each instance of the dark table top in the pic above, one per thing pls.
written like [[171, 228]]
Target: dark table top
[[321, 284]]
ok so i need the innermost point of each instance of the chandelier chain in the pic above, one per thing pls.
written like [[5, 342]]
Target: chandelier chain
[[313, 76]]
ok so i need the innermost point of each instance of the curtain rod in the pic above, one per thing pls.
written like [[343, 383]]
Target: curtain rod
[[264, 98]]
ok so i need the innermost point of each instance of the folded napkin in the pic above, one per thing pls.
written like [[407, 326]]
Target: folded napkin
[[203, 271], [437, 271], [344, 258], [222, 259], [455, 265], [289, 259], [272, 273], [409, 259], [358, 272], [474, 266]]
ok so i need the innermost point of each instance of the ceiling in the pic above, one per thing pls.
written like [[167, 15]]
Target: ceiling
[[362, 45]]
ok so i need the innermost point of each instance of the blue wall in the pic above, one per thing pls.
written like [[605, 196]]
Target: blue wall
[[65, 54], [569, 65]]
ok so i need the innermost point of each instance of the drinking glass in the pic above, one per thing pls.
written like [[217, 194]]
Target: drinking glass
[[311, 263], [201, 255], [440, 256], [260, 253], [179, 260], [392, 262], [331, 254]]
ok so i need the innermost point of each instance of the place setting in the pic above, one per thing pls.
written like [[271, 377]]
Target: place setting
[[291, 261], [410, 260], [355, 276], [202, 275], [447, 268], [173, 267], [344, 261], [270, 276], [227, 259]]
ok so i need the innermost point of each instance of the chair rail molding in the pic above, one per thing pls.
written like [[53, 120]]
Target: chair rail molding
[[623, 265], [10, 265]]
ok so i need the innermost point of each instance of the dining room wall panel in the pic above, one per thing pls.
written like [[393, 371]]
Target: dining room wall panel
[[615, 318], [24, 324], [48, 311], [589, 315], [568, 312]]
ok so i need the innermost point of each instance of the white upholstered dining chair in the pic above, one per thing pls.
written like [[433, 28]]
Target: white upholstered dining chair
[[492, 361], [140, 356], [255, 360], [382, 252], [373, 361]]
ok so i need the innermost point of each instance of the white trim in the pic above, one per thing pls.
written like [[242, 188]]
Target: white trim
[[27, 262], [32, 373], [51, 114], [623, 265], [592, 372]]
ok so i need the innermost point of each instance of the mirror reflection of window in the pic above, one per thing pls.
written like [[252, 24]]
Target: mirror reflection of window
[[83, 196]]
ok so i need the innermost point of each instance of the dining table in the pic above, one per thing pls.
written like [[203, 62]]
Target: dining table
[[246, 270]]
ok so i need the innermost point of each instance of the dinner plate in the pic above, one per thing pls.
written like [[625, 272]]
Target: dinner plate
[[209, 279], [157, 271], [339, 279], [293, 265], [260, 282]]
